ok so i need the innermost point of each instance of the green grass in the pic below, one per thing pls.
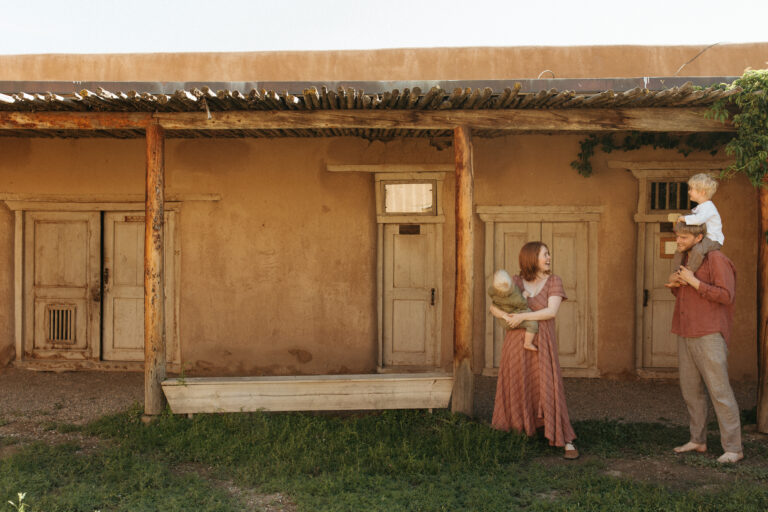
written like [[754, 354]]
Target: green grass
[[393, 460]]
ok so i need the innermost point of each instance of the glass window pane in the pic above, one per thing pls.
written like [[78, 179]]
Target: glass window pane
[[408, 198]]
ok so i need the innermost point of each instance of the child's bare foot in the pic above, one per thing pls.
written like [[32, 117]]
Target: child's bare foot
[[530, 346]]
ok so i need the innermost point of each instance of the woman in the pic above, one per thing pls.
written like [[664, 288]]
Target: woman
[[529, 392]]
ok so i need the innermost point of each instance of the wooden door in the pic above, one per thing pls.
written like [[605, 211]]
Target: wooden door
[[569, 245], [659, 344], [411, 295], [62, 292], [510, 238], [124, 286]]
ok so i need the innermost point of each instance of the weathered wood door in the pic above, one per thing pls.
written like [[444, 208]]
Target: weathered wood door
[[62, 286], [659, 344], [568, 244], [124, 286], [411, 273]]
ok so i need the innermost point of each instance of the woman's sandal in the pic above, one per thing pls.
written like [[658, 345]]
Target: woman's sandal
[[571, 453]]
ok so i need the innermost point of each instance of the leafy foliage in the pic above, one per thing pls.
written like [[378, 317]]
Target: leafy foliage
[[750, 146], [684, 144]]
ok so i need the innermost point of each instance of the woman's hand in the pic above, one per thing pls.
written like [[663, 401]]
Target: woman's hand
[[513, 321]]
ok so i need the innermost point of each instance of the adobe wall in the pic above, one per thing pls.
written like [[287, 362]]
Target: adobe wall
[[279, 277], [482, 63]]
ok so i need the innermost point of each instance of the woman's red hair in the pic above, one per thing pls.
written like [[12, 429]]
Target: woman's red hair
[[529, 260]]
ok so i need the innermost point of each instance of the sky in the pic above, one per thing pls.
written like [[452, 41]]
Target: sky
[[143, 26]]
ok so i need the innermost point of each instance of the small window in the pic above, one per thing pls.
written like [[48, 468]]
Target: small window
[[409, 198], [669, 196]]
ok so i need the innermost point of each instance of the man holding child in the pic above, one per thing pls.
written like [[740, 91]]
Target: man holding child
[[702, 320]]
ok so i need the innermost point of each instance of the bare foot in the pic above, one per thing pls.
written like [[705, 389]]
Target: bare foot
[[730, 457], [690, 446], [530, 347]]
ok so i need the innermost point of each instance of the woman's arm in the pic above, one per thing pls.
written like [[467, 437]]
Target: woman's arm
[[549, 312]]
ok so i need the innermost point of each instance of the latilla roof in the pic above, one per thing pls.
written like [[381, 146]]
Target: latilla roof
[[163, 97]]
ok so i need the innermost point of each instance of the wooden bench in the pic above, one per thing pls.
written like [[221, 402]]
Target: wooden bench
[[308, 393]]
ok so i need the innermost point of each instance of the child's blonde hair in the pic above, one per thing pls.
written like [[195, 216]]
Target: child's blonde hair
[[502, 281], [705, 183]]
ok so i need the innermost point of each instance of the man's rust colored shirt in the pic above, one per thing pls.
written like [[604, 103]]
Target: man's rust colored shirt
[[709, 309]]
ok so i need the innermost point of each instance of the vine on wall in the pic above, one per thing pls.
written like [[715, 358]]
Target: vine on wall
[[748, 146]]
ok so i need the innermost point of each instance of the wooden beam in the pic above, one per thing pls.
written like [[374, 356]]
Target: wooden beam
[[762, 301], [689, 119], [463, 387], [566, 120], [154, 317], [390, 168], [75, 120]]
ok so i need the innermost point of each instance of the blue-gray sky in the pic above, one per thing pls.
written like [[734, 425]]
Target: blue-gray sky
[[110, 26]]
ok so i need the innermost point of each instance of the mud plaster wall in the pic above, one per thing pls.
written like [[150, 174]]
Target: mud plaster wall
[[396, 64], [279, 277], [534, 170]]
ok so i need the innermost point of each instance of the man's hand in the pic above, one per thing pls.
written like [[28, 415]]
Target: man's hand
[[685, 274]]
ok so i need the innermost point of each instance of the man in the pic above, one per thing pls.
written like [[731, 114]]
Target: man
[[702, 320]]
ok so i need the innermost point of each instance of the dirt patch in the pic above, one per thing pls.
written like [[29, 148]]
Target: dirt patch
[[250, 498], [672, 473]]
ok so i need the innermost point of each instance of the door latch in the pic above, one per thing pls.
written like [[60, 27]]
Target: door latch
[[432, 300], [645, 298], [106, 276]]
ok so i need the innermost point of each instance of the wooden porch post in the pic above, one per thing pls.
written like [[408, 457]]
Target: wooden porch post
[[762, 300], [463, 386], [154, 317]]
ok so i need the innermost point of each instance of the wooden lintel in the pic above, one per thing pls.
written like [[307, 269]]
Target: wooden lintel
[[682, 164], [75, 120], [389, 168], [521, 120], [689, 119]]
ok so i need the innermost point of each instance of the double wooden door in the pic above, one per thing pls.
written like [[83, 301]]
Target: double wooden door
[[568, 243], [84, 285]]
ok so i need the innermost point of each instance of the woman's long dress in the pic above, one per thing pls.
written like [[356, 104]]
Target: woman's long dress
[[529, 391]]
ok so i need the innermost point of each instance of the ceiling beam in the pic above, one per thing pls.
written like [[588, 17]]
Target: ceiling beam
[[689, 119]]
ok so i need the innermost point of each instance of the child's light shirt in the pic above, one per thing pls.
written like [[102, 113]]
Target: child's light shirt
[[706, 213]]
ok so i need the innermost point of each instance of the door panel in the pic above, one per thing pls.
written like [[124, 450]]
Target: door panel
[[510, 238], [659, 344], [124, 286], [62, 284], [568, 244], [410, 276]]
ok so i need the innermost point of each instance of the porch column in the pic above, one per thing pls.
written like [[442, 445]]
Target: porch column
[[463, 379], [762, 300], [154, 317]]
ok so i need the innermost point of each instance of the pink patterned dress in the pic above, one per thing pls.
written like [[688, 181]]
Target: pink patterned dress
[[529, 391]]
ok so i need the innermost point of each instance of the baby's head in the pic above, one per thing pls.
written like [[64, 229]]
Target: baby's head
[[703, 186], [502, 283]]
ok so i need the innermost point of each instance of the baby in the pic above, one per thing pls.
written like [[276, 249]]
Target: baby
[[701, 188], [506, 296]]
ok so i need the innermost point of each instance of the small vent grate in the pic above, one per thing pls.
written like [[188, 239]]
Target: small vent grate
[[670, 195], [60, 323]]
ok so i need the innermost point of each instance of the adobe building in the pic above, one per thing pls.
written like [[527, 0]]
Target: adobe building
[[310, 206]]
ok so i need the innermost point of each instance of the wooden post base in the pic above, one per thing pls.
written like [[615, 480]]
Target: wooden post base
[[462, 399], [149, 418]]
